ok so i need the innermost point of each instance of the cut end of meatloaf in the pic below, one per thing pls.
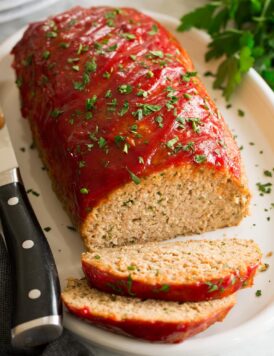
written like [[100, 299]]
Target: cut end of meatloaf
[[178, 201], [148, 319], [193, 270]]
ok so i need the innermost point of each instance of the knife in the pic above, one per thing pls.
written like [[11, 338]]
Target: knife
[[37, 314]]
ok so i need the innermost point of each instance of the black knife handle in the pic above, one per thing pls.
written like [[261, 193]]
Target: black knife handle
[[37, 305]]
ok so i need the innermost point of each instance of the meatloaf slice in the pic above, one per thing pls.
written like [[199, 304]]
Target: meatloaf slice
[[136, 149], [188, 271], [152, 320]]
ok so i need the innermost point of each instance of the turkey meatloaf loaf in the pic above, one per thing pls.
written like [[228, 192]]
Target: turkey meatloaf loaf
[[136, 149]]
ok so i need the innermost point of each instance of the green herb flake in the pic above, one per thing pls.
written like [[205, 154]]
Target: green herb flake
[[133, 57], [267, 173], [134, 178], [106, 75], [187, 96], [164, 288], [102, 142], [46, 54], [264, 188], [112, 48], [51, 34], [157, 54], [91, 66], [108, 94], [141, 160], [131, 268], [125, 89], [84, 191], [142, 93], [82, 164], [211, 287], [149, 74], [199, 158], [124, 109], [97, 257], [78, 86], [188, 75], [90, 102], [170, 144], [241, 113], [258, 293], [154, 30], [159, 120], [19, 82], [64, 45], [56, 112], [73, 60], [128, 36]]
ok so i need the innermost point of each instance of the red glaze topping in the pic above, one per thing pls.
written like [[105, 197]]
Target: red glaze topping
[[112, 97], [192, 292], [151, 331]]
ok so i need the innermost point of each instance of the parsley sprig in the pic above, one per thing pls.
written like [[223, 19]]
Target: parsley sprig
[[241, 33]]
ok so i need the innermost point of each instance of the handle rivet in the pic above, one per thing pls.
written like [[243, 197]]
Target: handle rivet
[[34, 294], [27, 244], [13, 201]]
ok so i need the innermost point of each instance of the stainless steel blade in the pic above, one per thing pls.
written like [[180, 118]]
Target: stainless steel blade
[[7, 155]]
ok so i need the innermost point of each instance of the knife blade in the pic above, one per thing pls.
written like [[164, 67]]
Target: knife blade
[[37, 314]]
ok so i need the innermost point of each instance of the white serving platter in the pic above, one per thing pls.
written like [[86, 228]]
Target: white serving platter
[[255, 131]]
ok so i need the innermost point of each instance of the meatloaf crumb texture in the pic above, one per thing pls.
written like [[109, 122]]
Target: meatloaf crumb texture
[[136, 149], [151, 320], [179, 271]]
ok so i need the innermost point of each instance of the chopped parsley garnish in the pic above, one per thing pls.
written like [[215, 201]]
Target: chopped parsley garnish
[[128, 36], [187, 96], [102, 142], [241, 113], [211, 287], [91, 66], [124, 109], [196, 123], [51, 34], [150, 74], [142, 93], [164, 288], [268, 173], [125, 89], [170, 144], [134, 178], [56, 112], [181, 121], [131, 268], [82, 164], [106, 75], [108, 94], [154, 30], [157, 54], [189, 146], [78, 86], [90, 102], [199, 158], [258, 293], [141, 160], [112, 48], [97, 257], [118, 139], [73, 60], [264, 188], [188, 75], [133, 57], [64, 45], [46, 54], [148, 108], [126, 147], [159, 120], [84, 191]]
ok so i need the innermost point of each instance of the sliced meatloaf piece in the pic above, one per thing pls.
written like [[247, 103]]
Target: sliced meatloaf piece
[[179, 271], [149, 319], [136, 149]]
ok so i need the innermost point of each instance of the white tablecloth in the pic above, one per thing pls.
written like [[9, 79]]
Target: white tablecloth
[[264, 344]]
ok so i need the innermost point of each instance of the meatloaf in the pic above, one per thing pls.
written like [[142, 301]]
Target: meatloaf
[[136, 149], [183, 271], [151, 320]]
